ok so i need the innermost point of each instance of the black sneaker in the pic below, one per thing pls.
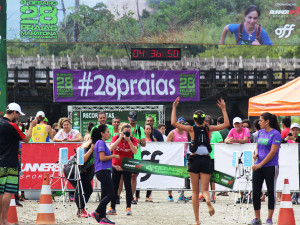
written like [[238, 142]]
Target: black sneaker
[[18, 203]]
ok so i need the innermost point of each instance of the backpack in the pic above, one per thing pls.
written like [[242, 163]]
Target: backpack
[[240, 34], [201, 138]]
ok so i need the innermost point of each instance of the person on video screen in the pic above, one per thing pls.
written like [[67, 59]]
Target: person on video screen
[[248, 32]]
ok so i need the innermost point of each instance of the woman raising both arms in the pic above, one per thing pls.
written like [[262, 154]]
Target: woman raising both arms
[[199, 161]]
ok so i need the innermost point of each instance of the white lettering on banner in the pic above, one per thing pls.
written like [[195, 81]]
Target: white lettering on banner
[[279, 12], [43, 167], [122, 87], [89, 115], [85, 84], [40, 176], [280, 32]]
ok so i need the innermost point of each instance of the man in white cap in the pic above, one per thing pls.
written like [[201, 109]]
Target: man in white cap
[[41, 132], [238, 134], [293, 135], [10, 135]]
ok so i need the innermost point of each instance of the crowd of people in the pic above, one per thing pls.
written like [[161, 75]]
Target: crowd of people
[[126, 140]]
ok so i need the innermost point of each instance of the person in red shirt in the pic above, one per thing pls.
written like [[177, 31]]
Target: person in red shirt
[[286, 124], [125, 146]]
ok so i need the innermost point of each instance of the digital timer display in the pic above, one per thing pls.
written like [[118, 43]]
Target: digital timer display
[[155, 54]]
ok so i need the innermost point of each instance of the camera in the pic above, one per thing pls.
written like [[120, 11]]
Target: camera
[[290, 134], [126, 133]]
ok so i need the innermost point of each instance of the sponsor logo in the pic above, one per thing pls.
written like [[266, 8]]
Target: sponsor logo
[[284, 12], [43, 167], [139, 166], [295, 12], [285, 31], [279, 12]]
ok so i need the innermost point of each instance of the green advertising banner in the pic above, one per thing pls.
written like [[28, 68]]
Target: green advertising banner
[[141, 166], [3, 58], [81, 119]]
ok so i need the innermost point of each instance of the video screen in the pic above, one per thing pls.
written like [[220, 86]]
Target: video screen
[[217, 22]]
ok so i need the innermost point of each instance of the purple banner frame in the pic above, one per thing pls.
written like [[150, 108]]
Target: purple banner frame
[[125, 85]]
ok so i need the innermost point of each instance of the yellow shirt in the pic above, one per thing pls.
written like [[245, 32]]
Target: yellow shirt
[[39, 133]]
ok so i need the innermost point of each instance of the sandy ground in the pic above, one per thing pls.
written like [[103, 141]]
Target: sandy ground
[[159, 212]]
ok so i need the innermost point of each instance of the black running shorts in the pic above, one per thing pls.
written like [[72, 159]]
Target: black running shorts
[[199, 164]]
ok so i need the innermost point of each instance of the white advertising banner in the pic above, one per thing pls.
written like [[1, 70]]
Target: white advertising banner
[[288, 164], [162, 153]]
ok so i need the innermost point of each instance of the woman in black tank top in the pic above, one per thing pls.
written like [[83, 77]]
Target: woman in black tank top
[[199, 160]]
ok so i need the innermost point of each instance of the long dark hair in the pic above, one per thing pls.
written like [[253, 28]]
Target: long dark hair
[[90, 126], [199, 117], [252, 8], [272, 120], [96, 134], [151, 134]]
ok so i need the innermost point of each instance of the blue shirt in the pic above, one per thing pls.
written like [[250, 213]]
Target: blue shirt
[[264, 37], [264, 142]]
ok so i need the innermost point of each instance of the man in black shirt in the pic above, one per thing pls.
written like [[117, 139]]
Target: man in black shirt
[[10, 135]]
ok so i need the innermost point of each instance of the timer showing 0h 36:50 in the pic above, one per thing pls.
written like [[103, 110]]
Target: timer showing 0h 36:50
[[155, 54]]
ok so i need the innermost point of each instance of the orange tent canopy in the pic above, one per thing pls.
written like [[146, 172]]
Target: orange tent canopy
[[281, 101]]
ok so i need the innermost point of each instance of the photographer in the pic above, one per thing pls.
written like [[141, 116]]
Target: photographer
[[86, 174], [125, 146]]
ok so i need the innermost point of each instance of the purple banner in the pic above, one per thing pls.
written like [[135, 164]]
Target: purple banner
[[125, 85]]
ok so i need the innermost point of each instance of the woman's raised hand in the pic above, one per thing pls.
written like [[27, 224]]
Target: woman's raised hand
[[176, 102], [221, 103]]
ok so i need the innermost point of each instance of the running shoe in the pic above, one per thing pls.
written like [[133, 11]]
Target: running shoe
[[72, 198], [84, 214], [269, 222], [111, 211], [170, 199], [105, 221], [255, 222], [93, 214], [18, 204], [128, 212], [183, 198]]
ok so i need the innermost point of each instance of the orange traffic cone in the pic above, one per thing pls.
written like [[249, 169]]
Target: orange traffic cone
[[286, 213], [12, 216], [46, 210]]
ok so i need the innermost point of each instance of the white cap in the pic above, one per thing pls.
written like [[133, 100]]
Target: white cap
[[40, 114], [237, 120], [295, 125], [15, 107]]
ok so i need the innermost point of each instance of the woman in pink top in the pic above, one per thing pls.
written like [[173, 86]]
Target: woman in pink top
[[178, 135]]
